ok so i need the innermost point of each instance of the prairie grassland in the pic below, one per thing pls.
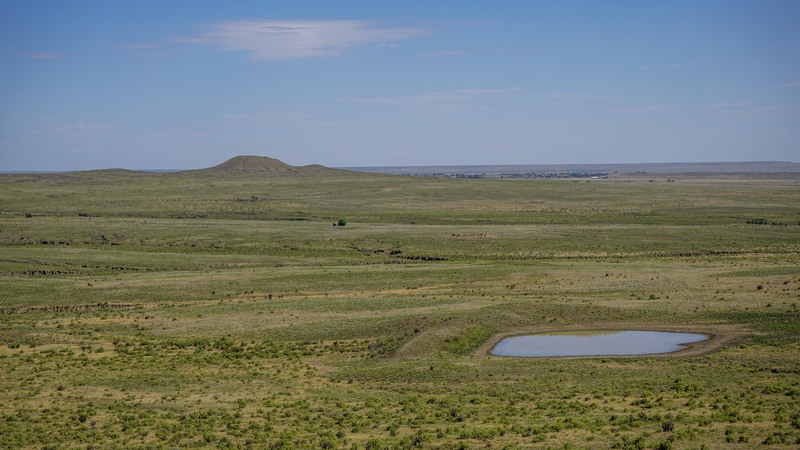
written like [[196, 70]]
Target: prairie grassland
[[196, 310]]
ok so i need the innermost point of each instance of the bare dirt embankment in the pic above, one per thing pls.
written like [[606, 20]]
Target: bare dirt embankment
[[719, 336]]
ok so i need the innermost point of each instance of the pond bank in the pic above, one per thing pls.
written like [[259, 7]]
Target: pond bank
[[719, 336]]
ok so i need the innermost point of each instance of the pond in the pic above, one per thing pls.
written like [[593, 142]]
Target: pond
[[595, 343]]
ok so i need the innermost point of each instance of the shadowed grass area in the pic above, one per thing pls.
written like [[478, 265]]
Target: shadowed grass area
[[209, 309]]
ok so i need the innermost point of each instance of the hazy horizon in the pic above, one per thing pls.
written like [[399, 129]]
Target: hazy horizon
[[173, 86], [655, 167]]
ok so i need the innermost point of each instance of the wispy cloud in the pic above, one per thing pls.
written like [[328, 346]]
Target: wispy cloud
[[717, 109], [572, 99], [43, 55], [458, 95], [649, 108], [662, 66], [776, 109], [293, 39]]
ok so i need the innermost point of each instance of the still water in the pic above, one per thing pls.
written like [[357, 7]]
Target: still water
[[595, 343]]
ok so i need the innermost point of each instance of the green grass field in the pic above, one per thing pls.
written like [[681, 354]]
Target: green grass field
[[210, 310]]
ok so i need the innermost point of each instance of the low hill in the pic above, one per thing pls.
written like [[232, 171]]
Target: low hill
[[248, 164]]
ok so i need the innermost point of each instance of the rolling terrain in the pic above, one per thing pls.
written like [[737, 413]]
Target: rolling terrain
[[227, 307]]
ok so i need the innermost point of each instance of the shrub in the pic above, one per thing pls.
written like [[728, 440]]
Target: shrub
[[374, 444]]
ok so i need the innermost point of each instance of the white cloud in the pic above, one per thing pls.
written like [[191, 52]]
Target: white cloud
[[293, 39], [786, 108], [720, 109], [454, 96]]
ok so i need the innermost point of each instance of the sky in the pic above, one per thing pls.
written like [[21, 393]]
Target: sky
[[189, 84]]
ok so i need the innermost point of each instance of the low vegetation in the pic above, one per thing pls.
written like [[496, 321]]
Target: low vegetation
[[220, 308]]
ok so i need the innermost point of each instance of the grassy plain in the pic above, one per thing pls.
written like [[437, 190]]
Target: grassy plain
[[203, 309]]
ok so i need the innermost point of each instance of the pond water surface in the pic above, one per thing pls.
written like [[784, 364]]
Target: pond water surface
[[595, 343]]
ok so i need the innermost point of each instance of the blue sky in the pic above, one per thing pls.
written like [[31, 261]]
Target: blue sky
[[189, 84]]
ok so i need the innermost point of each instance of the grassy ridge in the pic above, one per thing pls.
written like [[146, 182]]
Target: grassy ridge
[[395, 199], [201, 310]]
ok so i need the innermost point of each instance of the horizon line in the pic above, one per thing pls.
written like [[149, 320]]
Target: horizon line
[[422, 166]]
